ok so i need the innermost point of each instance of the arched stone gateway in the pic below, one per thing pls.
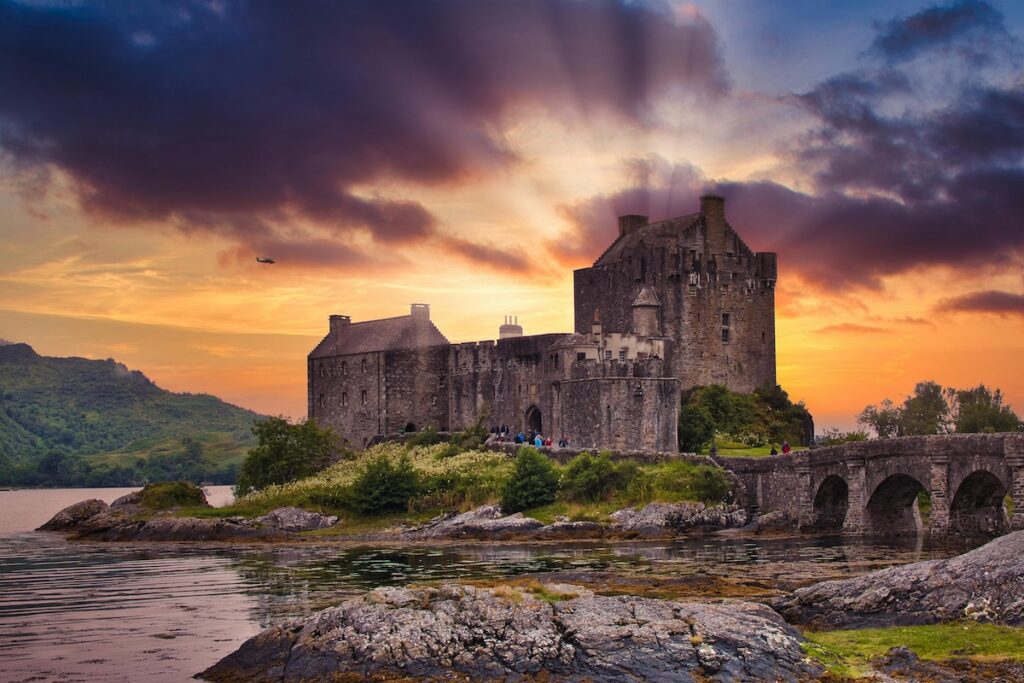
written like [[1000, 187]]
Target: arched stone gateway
[[977, 507], [410, 427], [533, 420], [892, 508], [830, 503]]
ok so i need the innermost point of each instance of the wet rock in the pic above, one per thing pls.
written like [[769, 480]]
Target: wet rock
[[985, 584], [568, 530], [296, 519], [483, 522], [499, 634], [667, 519], [132, 499], [74, 515], [778, 520], [180, 529]]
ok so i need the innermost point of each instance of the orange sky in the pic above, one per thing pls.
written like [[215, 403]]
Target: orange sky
[[187, 304]]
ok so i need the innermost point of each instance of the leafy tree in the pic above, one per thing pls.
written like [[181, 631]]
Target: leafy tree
[[886, 420], [696, 427], [285, 452], [534, 482], [382, 487], [926, 410], [588, 477], [980, 410], [765, 415]]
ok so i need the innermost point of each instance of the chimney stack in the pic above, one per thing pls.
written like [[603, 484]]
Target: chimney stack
[[628, 224], [420, 311], [511, 328], [712, 207], [338, 321]]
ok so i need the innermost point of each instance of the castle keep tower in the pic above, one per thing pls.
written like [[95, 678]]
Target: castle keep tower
[[669, 305], [716, 296]]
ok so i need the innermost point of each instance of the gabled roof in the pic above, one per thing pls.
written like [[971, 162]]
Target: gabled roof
[[571, 340], [671, 232], [647, 297], [388, 334]]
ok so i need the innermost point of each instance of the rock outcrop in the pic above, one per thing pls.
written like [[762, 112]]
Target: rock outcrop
[[483, 522], [660, 519], [124, 520], [74, 515], [295, 519], [985, 584], [455, 632]]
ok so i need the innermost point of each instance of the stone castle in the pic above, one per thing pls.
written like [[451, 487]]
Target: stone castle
[[668, 306]]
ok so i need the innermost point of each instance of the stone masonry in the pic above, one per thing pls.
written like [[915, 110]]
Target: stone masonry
[[669, 305]]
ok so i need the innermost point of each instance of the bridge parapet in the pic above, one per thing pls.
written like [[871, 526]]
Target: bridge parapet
[[871, 487]]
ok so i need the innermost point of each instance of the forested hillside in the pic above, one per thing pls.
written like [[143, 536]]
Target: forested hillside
[[74, 421]]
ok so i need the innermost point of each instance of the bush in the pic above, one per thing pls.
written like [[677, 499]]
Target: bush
[[382, 486], [588, 478], [534, 482], [286, 452], [426, 437], [710, 485], [170, 494]]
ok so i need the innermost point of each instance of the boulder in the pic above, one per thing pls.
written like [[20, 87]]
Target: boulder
[[985, 584], [296, 519], [667, 519], [569, 530], [455, 632], [483, 522], [76, 514]]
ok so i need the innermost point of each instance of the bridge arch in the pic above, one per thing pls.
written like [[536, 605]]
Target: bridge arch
[[831, 502], [892, 508], [976, 508]]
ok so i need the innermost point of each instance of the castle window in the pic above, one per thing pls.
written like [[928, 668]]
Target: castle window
[[622, 354], [323, 370], [725, 327], [607, 355], [725, 334], [441, 381], [363, 366], [321, 399], [344, 368], [344, 398], [433, 399], [362, 396], [580, 355]]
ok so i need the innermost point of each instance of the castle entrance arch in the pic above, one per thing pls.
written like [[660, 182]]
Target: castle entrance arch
[[410, 427], [533, 419]]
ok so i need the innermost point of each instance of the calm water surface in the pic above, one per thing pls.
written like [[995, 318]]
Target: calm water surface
[[121, 612]]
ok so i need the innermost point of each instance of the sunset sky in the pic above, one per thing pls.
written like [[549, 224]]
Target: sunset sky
[[469, 155]]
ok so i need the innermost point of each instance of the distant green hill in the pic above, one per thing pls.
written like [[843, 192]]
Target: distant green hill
[[74, 421]]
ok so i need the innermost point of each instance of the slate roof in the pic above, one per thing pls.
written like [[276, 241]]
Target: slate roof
[[388, 334], [647, 297], [671, 232], [574, 339]]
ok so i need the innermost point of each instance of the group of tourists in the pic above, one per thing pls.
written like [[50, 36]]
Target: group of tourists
[[504, 433], [785, 448]]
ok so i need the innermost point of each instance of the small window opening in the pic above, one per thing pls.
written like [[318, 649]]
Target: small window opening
[[344, 398], [364, 366], [581, 355], [362, 396], [622, 354]]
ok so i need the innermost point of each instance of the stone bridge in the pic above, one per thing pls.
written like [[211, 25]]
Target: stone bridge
[[871, 487]]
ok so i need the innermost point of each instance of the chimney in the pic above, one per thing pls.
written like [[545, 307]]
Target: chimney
[[420, 311], [628, 224], [338, 321], [712, 207], [511, 328]]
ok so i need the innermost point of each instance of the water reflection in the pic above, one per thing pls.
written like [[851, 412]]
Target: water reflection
[[95, 611]]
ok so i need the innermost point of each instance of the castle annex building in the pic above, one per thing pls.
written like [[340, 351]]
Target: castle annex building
[[669, 305]]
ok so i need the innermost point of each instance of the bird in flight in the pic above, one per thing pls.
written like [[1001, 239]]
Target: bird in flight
[[264, 259]]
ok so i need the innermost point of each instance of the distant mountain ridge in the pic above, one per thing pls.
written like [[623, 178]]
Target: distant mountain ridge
[[83, 407]]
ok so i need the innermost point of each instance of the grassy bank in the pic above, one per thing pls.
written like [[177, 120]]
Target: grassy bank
[[437, 481], [848, 653]]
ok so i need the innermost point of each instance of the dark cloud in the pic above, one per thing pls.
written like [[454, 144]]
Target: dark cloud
[[991, 301], [490, 256], [967, 27], [217, 115], [901, 180]]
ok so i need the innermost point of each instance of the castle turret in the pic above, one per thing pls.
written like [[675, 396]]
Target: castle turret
[[511, 328], [646, 311]]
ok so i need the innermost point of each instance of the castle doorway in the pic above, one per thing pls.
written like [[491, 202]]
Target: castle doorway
[[533, 421], [409, 428]]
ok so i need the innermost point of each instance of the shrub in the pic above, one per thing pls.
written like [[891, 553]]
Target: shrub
[[588, 477], [426, 437], [170, 494], [534, 482], [710, 485], [382, 486]]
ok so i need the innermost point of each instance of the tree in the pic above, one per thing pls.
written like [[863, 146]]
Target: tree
[[285, 452], [534, 482], [926, 410], [981, 410]]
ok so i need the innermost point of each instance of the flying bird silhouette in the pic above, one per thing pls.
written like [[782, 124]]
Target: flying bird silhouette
[[265, 259]]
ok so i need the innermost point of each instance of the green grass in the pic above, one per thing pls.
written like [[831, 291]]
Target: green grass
[[752, 451], [170, 494], [848, 653]]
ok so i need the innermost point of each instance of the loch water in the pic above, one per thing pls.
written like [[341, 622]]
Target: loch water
[[88, 611]]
